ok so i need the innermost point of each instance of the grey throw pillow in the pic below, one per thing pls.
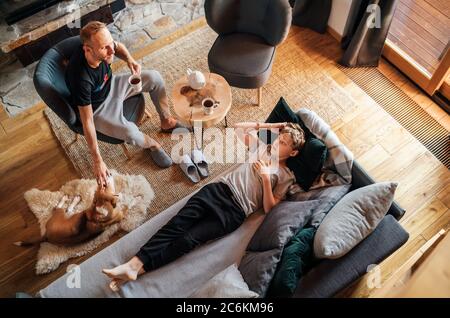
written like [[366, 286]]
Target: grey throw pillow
[[264, 251], [281, 223], [352, 219], [258, 268], [328, 195]]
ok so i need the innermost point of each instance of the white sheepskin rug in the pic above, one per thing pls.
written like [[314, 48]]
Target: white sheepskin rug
[[135, 196]]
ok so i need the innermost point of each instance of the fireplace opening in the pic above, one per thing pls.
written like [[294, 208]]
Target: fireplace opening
[[47, 23], [16, 10]]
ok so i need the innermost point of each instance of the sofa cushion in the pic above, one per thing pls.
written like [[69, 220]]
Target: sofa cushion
[[264, 250], [352, 219], [282, 112], [329, 276], [307, 165], [297, 256], [328, 196], [296, 259], [227, 284], [361, 178], [281, 223], [258, 268]]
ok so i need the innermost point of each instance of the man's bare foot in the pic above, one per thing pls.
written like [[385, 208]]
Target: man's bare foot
[[168, 123], [151, 143]]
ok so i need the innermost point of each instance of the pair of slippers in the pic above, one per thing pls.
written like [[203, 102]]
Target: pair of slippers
[[195, 167]]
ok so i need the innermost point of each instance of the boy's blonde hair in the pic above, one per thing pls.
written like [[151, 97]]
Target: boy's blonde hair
[[297, 135], [90, 29]]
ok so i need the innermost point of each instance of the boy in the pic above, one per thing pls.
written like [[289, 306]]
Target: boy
[[220, 208]]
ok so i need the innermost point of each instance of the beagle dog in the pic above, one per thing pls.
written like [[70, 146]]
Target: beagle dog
[[66, 228]]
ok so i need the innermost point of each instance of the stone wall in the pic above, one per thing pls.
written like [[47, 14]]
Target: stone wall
[[144, 21], [140, 23]]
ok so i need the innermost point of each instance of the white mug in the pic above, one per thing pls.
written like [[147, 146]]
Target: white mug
[[136, 82], [208, 105]]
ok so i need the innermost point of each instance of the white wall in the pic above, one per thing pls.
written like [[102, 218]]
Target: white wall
[[340, 11]]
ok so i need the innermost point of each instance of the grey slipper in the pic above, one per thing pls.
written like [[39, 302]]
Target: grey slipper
[[178, 128], [161, 158], [200, 162], [189, 168]]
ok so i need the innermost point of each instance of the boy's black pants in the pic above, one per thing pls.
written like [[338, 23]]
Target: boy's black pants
[[209, 214]]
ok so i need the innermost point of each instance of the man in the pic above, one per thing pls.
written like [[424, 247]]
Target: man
[[99, 96]]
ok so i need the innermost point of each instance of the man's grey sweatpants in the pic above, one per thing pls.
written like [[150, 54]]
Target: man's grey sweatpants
[[108, 117]]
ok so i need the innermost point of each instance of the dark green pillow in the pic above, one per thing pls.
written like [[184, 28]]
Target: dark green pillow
[[282, 113], [308, 164], [297, 258]]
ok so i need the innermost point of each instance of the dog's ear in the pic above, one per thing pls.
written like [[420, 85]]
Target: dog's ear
[[97, 195], [109, 197], [114, 200]]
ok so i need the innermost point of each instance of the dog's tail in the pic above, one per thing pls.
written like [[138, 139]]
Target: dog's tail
[[30, 242]]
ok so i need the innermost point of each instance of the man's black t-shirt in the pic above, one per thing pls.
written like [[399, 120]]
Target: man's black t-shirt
[[87, 85]]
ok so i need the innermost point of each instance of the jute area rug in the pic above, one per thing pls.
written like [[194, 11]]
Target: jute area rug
[[295, 76]]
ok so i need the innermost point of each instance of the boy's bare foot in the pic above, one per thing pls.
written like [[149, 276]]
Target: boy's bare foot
[[123, 272]]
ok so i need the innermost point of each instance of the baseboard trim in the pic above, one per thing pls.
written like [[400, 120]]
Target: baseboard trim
[[442, 101], [335, 34]]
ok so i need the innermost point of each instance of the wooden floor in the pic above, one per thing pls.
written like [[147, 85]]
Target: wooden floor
[[421, 29], [30, 156]]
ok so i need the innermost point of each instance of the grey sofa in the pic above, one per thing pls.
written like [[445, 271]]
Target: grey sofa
[[331, 276], [248, 33], [185, 275]]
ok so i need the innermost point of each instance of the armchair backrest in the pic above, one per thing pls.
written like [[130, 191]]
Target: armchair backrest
[[269, 19], [49, 79]]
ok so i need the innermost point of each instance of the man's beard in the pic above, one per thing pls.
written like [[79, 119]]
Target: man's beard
[[105, 59], [109, 59]]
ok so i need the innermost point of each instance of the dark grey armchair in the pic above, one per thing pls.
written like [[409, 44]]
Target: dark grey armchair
[[51, 86], [248, 33]]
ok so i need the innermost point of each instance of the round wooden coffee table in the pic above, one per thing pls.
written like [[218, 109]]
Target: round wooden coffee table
[[187, 102]]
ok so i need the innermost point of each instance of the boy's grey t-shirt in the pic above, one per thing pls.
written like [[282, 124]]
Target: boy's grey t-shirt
[[247, 187]]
